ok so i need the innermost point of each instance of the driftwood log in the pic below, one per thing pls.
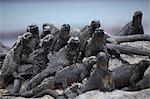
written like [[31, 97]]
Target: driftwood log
[[125, 49], [129, 38]]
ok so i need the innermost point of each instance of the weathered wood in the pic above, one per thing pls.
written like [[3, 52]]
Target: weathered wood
[[4, 48], [125, 49], [132, 38]]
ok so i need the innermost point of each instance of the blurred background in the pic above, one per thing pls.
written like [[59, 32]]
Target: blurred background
[[16, 15]]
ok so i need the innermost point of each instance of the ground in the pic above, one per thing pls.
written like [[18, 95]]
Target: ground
[[117, 94]]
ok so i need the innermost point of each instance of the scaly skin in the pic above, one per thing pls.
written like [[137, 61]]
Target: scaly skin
[[133, 27], [38, 60], [86, 33], [39, 56], [32, 44], [96, 44], [127, 76], [12, 60], [77, 73], [101, 78], [57, 62], [144, 83], [49, 29], [61, 39]]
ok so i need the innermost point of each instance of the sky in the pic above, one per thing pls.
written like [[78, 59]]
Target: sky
[[16, 15]]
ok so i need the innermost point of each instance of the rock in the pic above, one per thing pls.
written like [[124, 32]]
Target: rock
[[11, 97], [132, 59], [139, 44], [3, 92], [147, 71], [117, 94], [143, 83], [3, 51], [114, 63], [136, 58], [3, 48], [53, 28], [75, 32]]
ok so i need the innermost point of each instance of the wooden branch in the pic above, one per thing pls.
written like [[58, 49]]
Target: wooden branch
[[125, 49], [132, 38]]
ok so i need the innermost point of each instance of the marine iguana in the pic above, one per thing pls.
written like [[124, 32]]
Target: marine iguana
[[77, 73], [133, 27], [128, 75], [61, 39], [38, 60], [39, 56], [49, 29], [46, 30], [86, 33], [143, 83], [33, 28], [96, 44], [65, 57], [101, 78], [12, 60], [32, 44]]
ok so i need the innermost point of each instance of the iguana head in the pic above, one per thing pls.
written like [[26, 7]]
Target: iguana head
[[102, 60], [74, 42], [98, 35], [95, 24], [65, 27], [89, 61], [45, 25], [137, 18], [33, 28], [143, 65], [65, 31], [46, 30]]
